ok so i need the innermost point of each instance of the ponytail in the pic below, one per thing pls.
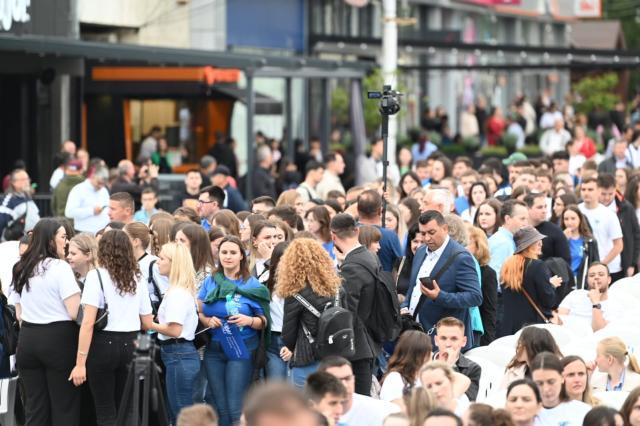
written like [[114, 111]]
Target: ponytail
[[634, 365], [615, 347]]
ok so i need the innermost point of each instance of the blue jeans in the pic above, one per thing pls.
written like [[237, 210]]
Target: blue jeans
[[229, 379], [182, 365], [299, 374], [276, 367]]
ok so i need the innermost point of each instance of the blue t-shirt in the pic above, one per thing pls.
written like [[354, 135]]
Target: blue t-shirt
[[218, 308], [389, 248], [328, 246], [462, 204], [576, 247]]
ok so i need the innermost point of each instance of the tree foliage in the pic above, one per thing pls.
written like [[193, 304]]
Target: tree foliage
[[597, 92]]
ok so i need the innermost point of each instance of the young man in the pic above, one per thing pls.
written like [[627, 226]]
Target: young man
[[556, 243], [262, 205], [192, 183], [88, 202], [334, 168], [210, 201], [149, 199], [605, 225], [593, 305], [326, 395], [121, 207], [450, 340], [359, 410], [313, 175], [514, 215]]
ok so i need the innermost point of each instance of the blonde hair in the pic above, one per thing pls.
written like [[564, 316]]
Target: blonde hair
[[88, 245], [160, 226], [182, 274], [478, 238], [402, 225], [306, 262], [288, 198], [437, 365], [615, 347], [419, 403], [512, 272]]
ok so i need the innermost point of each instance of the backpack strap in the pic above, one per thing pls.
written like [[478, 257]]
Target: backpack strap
[[308, 306], [152, 281], [435, 277]]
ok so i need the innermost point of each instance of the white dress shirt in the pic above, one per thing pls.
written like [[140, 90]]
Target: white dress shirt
[[83, 198], [425, 270]]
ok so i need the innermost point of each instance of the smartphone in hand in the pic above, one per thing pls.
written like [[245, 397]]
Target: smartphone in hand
[[427, 282]]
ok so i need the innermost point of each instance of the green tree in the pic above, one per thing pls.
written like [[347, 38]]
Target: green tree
[[340, 106], [597, 93]]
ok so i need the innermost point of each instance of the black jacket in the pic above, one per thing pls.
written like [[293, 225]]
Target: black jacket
[[473, 371], [609, 166], [262, 183], [518, 312], [359, 284], [556, 243], [294, 316], [630, 234], [489, 304]]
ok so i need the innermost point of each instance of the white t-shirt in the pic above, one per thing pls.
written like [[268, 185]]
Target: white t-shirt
[[52, 282], [570, 413], [276, 308], [580, 306], [10, 254], [124, 310], [179, 306], [606, 228], [161, 281], [393, 387], [367, 411]]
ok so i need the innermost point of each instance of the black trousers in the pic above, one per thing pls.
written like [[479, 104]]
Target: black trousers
[[45, 356], [107, 368], [363, 372]]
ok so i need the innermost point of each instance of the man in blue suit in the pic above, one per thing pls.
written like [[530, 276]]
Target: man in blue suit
[[457, 288]]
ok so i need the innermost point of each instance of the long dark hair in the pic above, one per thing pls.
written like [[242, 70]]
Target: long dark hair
[[534, 340], [199, 245], [408, 175], [495, 206], [584, 229], [550, 361], [408, 254], [276, 254], [631, 194], [486, 192], [42, 246], [115, 254], [413, 348], [321, 214]]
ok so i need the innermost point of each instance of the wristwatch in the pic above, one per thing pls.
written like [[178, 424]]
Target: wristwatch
[[596, 306]]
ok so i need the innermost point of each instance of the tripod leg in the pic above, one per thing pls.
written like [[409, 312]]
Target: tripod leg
[[126, 396]]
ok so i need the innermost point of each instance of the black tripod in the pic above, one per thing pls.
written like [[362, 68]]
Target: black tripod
[[143, 396]]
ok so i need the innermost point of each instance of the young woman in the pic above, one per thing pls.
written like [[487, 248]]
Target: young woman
[[215, 237], [227, 219], [262, 241], [410, 211], [523, 402], [630, 410], [446, 386], [305, 269], [532, 341], [440, 169], [546, 372], [632, 194], [561, 202], [235, 306], [160, 226], [477, 194], [283, 231], [196, 240], [528, 289], [157, 284], [576, 379], [104, 356], [415, 240], [408, 182], [486, 415], [317, 221], [582, 245], [276, 366], [46, 296], [176, 326], [479, 247], [394, 221], [405, 160], [83, 255], [292, 198], [612, 353], [412, 351], [487, 217], [370, 236]]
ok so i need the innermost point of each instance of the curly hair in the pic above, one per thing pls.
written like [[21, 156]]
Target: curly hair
[[115, 254], [304, 263]]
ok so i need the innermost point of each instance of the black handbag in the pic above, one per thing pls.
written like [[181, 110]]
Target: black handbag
[[260, 355], [102, 317]]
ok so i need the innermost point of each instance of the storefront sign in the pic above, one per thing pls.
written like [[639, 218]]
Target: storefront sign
[[12, 11]]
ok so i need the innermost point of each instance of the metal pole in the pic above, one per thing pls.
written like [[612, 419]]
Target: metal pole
[[250, 136], [385, 163], [390, 65], [325, 122], [288, 120]]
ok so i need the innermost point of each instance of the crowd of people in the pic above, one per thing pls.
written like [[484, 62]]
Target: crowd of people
[[292, 285]]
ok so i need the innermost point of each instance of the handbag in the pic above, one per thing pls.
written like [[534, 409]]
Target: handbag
[[260, 355], [533, 304], [102, 316]]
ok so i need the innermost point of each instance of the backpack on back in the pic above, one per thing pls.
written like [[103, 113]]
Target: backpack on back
[[10, 327], [335, 329], [385, 322]]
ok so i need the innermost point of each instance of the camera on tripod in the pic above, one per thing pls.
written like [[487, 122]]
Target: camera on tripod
[[389, 104], [144, 344]]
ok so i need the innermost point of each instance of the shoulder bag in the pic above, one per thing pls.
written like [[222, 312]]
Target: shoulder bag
[[102, 316]]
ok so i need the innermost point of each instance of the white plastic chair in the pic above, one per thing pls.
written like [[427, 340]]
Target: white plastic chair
[[505, 341], [500, 356], [489, 378], [628, 332], [585, 349], [613, 399], [626, 287]]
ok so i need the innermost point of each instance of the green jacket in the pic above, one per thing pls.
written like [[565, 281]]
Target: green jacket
[[61, 193]]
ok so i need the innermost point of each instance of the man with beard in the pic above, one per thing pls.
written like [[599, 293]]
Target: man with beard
[[594, 305]]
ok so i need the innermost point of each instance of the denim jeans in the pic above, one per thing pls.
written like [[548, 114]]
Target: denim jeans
[[182, 364], [229, 379], [276, 367], [299, 374]]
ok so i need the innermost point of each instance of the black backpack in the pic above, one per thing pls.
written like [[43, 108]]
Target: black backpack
[[156, 290], [385, 322], [335, 329], [10, 326]]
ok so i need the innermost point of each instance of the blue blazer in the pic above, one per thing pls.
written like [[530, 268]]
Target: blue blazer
[[459, 289]]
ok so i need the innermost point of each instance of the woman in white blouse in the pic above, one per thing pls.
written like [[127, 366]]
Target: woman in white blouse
[[46, 296], [177, 321], [104, 356], [83, 255]]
